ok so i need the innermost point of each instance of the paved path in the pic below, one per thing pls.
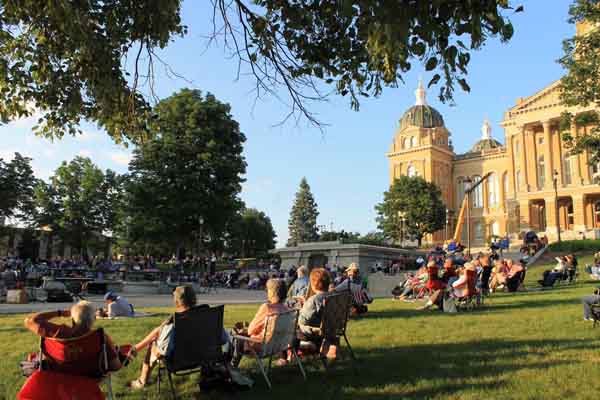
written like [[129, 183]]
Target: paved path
[[223, 296]]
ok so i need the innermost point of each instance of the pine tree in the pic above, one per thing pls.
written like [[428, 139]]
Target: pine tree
[[302, 225]]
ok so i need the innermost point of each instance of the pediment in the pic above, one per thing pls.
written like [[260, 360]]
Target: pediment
[[547, 97]]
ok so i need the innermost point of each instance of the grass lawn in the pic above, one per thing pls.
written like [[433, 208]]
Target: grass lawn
[[529, 345]]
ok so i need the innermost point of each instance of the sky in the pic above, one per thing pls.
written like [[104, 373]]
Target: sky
[[345, 164]]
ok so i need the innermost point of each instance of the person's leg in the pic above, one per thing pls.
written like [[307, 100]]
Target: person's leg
[[587, 305]]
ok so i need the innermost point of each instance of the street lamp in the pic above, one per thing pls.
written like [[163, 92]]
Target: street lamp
[[555, 184], [447, 222], [468, 181], [402, 216]]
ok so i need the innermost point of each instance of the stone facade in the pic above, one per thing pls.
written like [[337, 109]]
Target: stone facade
[[520, 194], [320, 254]]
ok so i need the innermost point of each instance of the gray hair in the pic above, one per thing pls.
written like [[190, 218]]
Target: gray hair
[[83, 314], [185, 295], [302, 271], [276, 290]]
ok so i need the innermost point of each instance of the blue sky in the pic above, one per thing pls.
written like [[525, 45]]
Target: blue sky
[[345, 166]]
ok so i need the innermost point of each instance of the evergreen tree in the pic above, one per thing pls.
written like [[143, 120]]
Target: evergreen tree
[[302, 225]]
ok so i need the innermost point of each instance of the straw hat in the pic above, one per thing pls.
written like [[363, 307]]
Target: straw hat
[[352, 267], [470, 266]]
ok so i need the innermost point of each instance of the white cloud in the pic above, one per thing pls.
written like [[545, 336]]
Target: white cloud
[[7, 154], [88, 136], [85, 153], [120, 158]]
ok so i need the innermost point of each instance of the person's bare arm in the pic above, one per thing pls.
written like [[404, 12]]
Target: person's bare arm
[[147, 341], [39, 323]]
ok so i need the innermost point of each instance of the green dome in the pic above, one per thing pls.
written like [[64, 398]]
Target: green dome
[[422, 116], [485, 144]]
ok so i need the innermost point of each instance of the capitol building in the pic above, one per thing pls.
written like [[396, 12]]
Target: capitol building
[[519, 195]]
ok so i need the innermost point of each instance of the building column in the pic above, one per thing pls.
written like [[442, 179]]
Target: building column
[[511, 165], [524, 215], [576, 178], [551, 215], [523, 163], [532, 158], [548, 157], [585, 166], [578, 213]]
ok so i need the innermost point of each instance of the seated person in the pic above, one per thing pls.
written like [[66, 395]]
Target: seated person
[[465, 284], [53, 382], [158, 342], [433, 280], [360, 296], [309, 319], [559, 272], [588, 301], [82, 317], [449, 273], [300, 285], [276, 294], [514, 276], [499, 275], [486, 273], [116, 306]]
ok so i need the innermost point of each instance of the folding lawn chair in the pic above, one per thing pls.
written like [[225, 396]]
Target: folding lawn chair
[[198, 341], [279, 337], [70, 368]]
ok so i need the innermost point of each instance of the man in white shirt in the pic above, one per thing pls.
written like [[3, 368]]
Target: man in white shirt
[[117, 306]]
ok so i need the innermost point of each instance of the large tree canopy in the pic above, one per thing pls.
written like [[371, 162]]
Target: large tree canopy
[[17, 184], [184, 183], [79, 202], [417, 201], [68, 59], [581, 85]]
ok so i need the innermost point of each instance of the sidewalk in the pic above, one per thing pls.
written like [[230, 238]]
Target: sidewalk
[[223, 296]]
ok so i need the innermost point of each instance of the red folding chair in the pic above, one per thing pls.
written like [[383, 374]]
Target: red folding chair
[[70, 369]]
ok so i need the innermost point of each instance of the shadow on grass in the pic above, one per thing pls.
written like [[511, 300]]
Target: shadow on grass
[[446, 369]]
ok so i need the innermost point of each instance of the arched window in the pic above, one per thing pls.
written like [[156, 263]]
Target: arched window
[[541, 170], [477, 195], [492, 190], [411, 171], [404, 143], [413, 141], [518, 180]]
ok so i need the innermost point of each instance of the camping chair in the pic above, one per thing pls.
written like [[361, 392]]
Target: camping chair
[[198, 341], [336, 311], [595, 311], [76, 365], [473, 297], [279, 337]]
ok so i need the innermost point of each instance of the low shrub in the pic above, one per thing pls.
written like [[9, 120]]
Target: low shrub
[[572, 246]]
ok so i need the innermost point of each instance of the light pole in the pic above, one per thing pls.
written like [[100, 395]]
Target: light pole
[[447, 222], [555, 184], [402, 216], [468, 181]]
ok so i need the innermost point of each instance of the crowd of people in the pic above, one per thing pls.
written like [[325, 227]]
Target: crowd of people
[[449, 277], [306, 292]]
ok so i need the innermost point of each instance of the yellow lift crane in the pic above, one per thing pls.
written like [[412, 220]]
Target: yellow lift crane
[[466, 209]]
